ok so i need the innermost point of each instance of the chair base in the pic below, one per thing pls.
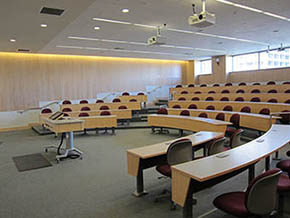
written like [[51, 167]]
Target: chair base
[[166, 194]]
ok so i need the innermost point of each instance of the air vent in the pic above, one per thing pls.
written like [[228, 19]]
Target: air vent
[[52, 11], [119, 48], [23, 50]]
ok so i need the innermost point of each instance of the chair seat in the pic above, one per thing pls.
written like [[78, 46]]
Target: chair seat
[[284, 183], [232, 203], [284, 165], [230, 131], [164, 170]]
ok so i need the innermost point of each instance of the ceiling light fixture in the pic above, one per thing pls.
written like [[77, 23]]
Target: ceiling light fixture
[[43, 25], [125, 10], [12, 40], [83, 38], [97, 28], [111, 21]]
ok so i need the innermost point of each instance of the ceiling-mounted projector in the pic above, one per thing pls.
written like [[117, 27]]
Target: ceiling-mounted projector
[[158, 39], [203, 19]]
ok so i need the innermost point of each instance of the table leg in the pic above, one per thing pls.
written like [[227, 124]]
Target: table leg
[[277, 156], [187, 209], [267, 163], [251, 173], [140, 184]]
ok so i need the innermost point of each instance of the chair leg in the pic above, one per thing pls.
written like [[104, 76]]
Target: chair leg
[[280, 204]]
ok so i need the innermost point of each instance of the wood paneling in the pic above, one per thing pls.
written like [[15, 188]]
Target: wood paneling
[[27, 79]]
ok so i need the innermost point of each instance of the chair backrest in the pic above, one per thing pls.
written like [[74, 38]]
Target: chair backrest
[[184, 92], [190, 85], [228, 108], [209, 99], [65, 115], [162, 110], [204, 115], [181, 99], [255, 91], [195, 99], [122, 107], [99, 101], [85, 109], [285, 118], [287, 102], [235, 139], [46, 111], [286, 83], [140, 93], [287, 91], [235, 120], [216, 146], [133, 100], [84, 114], [246, 109], [273, 100], [225, 91], [265, 111], [197, 92], [67, 109], [84, 102], [203, 85], [66, 102], [105, 113], [224, 99], [228, 84], [256, 99], [192, 106], [184, 113], [240, 91], [216, 85], [178, 86], [272, 91], [176, 106], [220, 116], [242, 84], [261, 193], [104, 107], [126, 93], [256, 84], [211, 92], [271, 83], [210, 107], [239, 99], [179, 151], [116, 100]]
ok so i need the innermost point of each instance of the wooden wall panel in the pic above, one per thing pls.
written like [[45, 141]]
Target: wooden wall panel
[[27, 79]]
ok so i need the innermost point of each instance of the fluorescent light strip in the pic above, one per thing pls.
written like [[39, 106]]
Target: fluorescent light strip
[[143, 25], [111, 21], [114, 41], [69, 46], [254, 9], [83, 38]]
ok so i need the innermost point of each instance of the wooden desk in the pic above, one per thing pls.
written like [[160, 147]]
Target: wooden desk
[[252, 121], [139, 98], [94, 107], [194, 124], [139, 159], [99, 121], [120, 114], [237, 106], [201, 171]]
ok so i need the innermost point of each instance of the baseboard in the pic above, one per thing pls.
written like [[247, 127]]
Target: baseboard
[[14, 128]]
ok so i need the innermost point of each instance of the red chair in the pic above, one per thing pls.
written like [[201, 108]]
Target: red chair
[[66, 110], [105, 113], [184, 113], [104, 107], [197, 92], [235, 120], [265, 111], [192, 106], [66, 102], [246, 109], [283, 187], [271, 83], [85, 109], [228, 108], [209, 99], [286, 83], [203, 85], [116, 100], [240, 91], [242, 84], [216, 85], [84, 102], [46, 111], [272, 100], [225, 91], [287, 102], [228, 84], [181, 99], [162, 111], [83, 114], [140, 93], [284, 165], [184, 92], [287, 91], [210, 107], [204, 115], [220, 116], [65, 115], [255, 91], [211, 92], [133, 100], [285, 118], [272, 91], [195, 99], [177, 106], [256, 99], [178, 86], [190, 85], [125, 93], [239, 99], [251, 203], [224, 99], [122, 107], [256, 84], [99, 101], [235, 139]]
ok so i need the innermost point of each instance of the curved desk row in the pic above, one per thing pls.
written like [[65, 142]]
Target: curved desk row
[[194, 124], [252, 121], [256, 107], [188, 176], [96, 106], [264, 97], [139, 159], [139, 98], [232, 89]]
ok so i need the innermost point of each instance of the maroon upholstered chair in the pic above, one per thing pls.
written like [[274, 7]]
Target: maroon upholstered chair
[[85, 109], [225, 91], [184, 113], [251, 203], [197, 92], [65, 115], [195, 99], [177, 106], [286, 83], [184, 92], [204, 115], [239, 99], [272, 91], [272, 100], [235, 139], [240, 91], [228, 84], [140, 93], [284, 165], [46, 111], [255, 91], [115, 100], [256, 99], [84, 114], [235, 120], [99, 101], [192, 106], [122, 107], [133, 100], [220, 116], [287, 102], [181, 99], [216, 85], [104, 107], [265, 111], [285, 118], [203, 85], [283, 187], [178, 86], [210, 107], [211, 92], [84, 102], [209, 99], [271, 83], [125, 93], [242, 84], [287, 91], [66, 102], [224, 99], [256, 84], [162, 110], [228, 108], [246, 109], [190, 85], [105, 113], [66, 110]]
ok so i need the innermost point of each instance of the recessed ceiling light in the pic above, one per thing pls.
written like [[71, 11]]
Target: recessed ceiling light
[[96, 28], [125, 10], [12, 40], [43, 25]]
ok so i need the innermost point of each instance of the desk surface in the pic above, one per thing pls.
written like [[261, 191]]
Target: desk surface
[[64, 125]]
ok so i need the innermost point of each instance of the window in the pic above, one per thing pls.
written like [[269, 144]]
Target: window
[[203, 67], [245, 62]]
